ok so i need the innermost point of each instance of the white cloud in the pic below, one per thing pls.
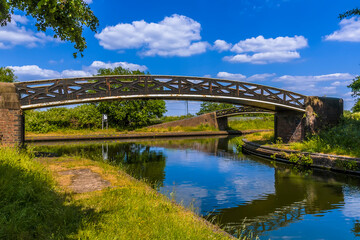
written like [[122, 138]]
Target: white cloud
[[75, 73], [231, 76], [263, 58], [270, 50], [88, 1], [313, 79], [176, 35], [241, 77], [261, 77], [279, 44], [319, 85], [14, 34], [221, 45], [34, 72], [349, 31], [99, 64]]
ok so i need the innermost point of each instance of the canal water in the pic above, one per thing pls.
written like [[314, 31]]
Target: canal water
[[273, 200]]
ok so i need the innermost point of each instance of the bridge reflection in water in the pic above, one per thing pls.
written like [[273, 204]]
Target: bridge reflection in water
[[232, 187]]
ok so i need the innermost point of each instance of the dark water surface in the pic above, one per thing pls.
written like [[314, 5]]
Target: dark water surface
[[275, 201]]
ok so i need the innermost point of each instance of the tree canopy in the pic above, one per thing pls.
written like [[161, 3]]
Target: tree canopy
[[66, 18], [355, 88], [207, 107], [356, 107], [349, 13], [7, 75], [130, 113]]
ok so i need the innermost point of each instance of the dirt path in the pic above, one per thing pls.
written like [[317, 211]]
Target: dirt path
[[84, 180]]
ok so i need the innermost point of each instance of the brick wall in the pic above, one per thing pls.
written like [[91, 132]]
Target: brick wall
[[208, 118], [11, 127], [11, 118]]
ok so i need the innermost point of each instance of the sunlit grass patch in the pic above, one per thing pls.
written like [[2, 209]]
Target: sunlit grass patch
[[263, 122]]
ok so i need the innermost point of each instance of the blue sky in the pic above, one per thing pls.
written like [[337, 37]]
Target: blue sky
[[299, 45]]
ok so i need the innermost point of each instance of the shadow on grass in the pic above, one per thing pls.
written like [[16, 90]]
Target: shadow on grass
[[31, 209]]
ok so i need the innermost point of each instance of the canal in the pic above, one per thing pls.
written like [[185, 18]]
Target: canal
[[272, 200]]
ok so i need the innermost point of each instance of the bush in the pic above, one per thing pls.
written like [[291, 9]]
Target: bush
[[83, 116], [46, 121]]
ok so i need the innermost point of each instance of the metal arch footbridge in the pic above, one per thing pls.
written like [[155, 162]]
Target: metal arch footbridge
[[56, 92]]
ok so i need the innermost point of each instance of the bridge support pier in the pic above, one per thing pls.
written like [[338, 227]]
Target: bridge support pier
[[321, 112], [11, 117], [222, 123]]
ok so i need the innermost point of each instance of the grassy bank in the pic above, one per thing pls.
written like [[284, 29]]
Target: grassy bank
[[343, 139], [37, 203], [112, 131], [265, 122], [243, 123]]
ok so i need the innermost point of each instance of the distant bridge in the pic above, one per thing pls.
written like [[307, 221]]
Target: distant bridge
[[46, 93], [240, 110]]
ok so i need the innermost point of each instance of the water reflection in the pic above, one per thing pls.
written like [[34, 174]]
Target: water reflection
[[275, 200]]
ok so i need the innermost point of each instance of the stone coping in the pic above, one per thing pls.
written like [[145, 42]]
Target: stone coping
[[319, 160]]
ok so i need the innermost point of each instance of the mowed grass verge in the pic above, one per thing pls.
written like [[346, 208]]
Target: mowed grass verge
[[36, 203]]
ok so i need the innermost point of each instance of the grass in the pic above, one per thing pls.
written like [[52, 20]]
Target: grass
[[68, 131], [343, 139], [75, 132], [35, 203], [266, 122], [201, 127], [30, 207]]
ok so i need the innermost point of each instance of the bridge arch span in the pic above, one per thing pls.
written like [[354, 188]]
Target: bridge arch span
[[46, 93]]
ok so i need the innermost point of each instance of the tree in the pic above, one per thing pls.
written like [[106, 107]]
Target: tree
[[7, 74], [130, 113], [355, 88], [349, 13], [66, 18], [356, 107], [207, 107]]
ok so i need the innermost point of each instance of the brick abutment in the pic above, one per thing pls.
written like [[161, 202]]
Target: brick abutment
[[321, 113], [11, 117]]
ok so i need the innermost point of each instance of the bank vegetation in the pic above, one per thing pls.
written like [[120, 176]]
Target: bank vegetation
[[35, 205]]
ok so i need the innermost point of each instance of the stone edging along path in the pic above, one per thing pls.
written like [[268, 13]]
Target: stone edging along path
[[314, 160]]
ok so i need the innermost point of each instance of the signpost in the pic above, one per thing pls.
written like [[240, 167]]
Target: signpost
[[105, 121]]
